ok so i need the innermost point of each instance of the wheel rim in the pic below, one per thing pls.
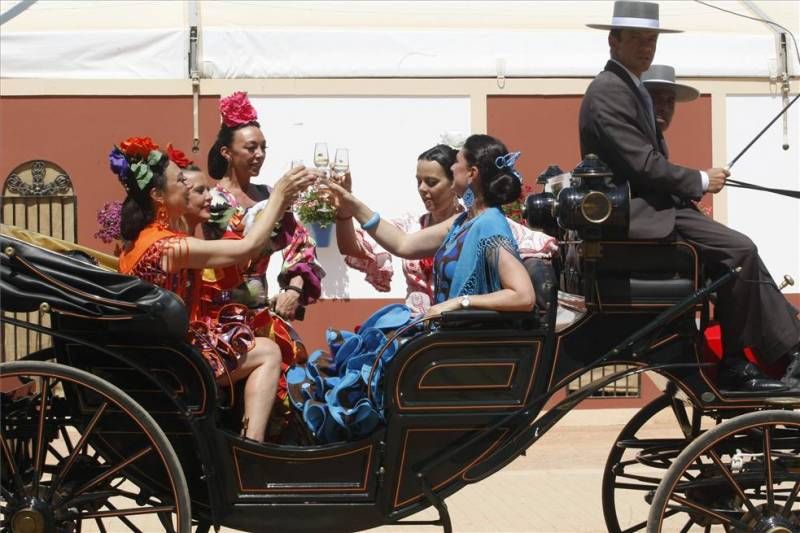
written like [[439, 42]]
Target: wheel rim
[[640, 457], [75, 451], [743, 475]]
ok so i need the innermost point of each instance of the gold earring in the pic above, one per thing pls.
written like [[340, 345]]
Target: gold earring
[[162, 220]]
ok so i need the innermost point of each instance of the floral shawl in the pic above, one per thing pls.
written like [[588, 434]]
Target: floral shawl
[[378, 270], [299, 249], [467, 261], [144, 258]]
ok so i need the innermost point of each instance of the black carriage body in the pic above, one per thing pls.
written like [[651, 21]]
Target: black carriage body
[[462, 400]]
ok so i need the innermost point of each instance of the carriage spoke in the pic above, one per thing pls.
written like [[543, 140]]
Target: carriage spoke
[[707, 529], [110, 472], [65, 437], [55, 453], [39, 449], [124, 520], [20, 485], [768, 467], [118, 513], [59, 476], [725, 472], [708, 512], [100, 525], [787, 508], [687, 526]]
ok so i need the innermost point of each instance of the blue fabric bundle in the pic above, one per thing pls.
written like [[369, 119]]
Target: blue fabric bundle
[[331, 388]]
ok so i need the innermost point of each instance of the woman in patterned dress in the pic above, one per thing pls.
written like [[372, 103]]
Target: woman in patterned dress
[[234, 159], [160, 253]]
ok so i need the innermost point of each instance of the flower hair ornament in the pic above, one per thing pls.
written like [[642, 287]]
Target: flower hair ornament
[[133, 162], [507, 162], [237, 110], [178, 157], [453, 139]]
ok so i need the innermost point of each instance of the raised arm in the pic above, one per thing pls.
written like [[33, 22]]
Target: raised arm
[[222, 253], [417, 245]]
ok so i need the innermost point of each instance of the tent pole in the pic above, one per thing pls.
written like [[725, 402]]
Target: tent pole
[[194, 73]]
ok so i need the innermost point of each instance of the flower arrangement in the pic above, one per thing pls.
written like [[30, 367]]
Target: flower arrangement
[[314, 207], [513, 210], [132, 162], [236, 110], [108, 218], [178, 157]]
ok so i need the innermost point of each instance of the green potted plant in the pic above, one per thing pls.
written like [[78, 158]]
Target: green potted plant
[[317, 215]]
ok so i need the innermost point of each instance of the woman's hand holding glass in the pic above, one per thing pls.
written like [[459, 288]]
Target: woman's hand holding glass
[[293, 182], [342, 199]]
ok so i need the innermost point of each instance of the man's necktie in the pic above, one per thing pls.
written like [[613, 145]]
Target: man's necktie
[[648, 105]]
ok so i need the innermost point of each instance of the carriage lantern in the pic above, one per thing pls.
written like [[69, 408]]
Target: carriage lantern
[[594, 204]]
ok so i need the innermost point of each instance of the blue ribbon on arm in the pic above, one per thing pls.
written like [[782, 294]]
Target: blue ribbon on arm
[[507, 162]]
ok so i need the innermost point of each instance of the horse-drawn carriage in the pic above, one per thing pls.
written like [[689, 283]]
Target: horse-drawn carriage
[[121, 426]]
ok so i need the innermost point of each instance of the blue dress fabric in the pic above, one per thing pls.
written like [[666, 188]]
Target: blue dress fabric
[[330, 390]]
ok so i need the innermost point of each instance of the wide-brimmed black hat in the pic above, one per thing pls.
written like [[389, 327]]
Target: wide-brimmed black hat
[[663, 76], [630, 15]]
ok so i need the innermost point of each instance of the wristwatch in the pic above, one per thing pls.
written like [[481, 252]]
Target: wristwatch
[[465, 302]]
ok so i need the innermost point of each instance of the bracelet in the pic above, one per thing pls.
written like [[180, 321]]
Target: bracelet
[[298, 290], [372, 223]]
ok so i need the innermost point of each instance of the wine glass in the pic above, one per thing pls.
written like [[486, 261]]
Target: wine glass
[[297, 163], [341, 162], [321, 157]]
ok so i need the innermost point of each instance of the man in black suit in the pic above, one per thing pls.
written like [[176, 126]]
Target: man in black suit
[[617, 122]]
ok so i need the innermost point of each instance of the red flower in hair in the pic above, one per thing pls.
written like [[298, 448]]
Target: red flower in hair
[[138, 147], [236, 109], [178, 157]]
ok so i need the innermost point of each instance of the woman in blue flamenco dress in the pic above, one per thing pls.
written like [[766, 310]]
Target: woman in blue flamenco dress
[[476, 266]]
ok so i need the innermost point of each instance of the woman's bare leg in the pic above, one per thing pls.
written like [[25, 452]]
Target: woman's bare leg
[[261, 366]]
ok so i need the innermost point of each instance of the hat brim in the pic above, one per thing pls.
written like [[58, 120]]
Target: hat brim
[[683, 93], [617, 27]]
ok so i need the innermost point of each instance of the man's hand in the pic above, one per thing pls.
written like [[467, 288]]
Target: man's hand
[[716, 179]]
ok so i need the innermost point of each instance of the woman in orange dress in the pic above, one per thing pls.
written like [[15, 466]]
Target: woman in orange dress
[[159, 252]]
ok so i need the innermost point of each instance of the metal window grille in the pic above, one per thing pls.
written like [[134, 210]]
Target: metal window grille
[[37, 196], [627, 387]]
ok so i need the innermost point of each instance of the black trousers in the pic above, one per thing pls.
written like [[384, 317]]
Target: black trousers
[[751, 310]]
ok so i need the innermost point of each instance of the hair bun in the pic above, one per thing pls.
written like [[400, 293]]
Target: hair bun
[[504, 188]]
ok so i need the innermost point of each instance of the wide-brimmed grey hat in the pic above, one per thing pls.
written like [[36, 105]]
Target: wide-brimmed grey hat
[[630, 15], [663, 77]]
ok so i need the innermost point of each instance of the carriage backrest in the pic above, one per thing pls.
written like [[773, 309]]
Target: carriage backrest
[[34, 278]]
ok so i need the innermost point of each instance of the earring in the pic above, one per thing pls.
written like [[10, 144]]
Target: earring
[[162, 220], [468, 198]]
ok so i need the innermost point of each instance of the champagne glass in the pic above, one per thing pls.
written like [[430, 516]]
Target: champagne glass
[[341, 162], [321, 156]]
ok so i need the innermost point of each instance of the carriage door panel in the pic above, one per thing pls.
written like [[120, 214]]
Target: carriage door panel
[[465, 375]]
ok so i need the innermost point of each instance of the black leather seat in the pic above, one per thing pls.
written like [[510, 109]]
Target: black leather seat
[[645, 273], [31, 276]]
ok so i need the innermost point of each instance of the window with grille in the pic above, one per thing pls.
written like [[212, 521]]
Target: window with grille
[[37, 196]]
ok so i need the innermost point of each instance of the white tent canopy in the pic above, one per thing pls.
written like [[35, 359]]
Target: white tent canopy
[[281, 39]]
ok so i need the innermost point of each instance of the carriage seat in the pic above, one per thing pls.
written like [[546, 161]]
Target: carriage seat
[[645, 273], [31, 275]]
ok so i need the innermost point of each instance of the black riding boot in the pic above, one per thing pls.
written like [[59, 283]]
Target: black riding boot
[[736, 373]]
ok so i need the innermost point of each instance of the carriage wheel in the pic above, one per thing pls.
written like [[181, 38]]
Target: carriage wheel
[[640, 457], [111, 469], [743, 475]]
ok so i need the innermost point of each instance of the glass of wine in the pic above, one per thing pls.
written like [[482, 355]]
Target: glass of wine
[[341, 162], [321, 157]]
